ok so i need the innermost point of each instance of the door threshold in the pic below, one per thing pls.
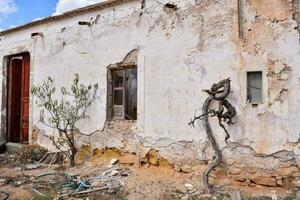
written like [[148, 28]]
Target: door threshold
[[12, 147]]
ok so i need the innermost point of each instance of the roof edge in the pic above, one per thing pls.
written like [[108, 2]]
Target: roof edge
[[68, 14]]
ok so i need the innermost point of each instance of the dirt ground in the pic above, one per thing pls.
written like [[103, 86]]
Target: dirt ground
[[146, 182]]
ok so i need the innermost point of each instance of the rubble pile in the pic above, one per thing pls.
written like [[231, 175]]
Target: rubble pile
[[68, 185], [30, 154]]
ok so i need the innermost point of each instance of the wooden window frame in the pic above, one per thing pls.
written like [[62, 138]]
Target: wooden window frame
[[111, 89], [247, 88]]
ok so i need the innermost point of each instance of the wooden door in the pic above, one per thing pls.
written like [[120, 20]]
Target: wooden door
[[15, 84], [25, 99]]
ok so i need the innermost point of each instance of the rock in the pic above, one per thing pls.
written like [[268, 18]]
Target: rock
[[125, 174], [189, 186], [267, 181], [250, 183], [177, 166], [284, 76], [2, 181], [186, 169], [154, 159], [274, 195], [279, 181], [230, 161], [186, 197], [278, 67], [97, 183], [128, 159], [206, 196], [234, 171], [113, 161], [298, 194], [297, 157], [290, 171], [114, 173], [31, 167], [296, 183], [18, 169], [236, 195]]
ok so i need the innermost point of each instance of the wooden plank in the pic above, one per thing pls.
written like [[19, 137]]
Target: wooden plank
[[15, 85], [25, 98]]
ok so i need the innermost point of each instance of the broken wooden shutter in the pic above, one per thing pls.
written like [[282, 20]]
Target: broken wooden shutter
[[109, 107], [25, 98], [131, 94], [118, 93]]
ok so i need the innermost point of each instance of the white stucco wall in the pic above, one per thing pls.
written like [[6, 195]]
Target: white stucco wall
[[181, 52]]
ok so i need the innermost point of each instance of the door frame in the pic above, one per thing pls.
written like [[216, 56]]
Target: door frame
[[8, 88]]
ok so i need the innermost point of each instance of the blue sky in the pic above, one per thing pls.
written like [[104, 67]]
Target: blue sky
[[27, 11], [17, 12]]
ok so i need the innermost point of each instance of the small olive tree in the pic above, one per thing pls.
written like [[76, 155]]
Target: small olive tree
[[64, 113]]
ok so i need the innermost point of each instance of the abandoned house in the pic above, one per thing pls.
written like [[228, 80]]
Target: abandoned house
[[151, 60]]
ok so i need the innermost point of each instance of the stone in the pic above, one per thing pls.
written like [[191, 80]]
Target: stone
[[189, 186], [274, 195], [186, 169], [154, 158], [278, 67], [114, 173], [128, 159], [230, 161], [235, 195], [297, 157], [296, 182], [279, 181], [113, 161], [186, 197], [290, 171], [97, 183], [298, 194], [266, 181], [234, 171], [177, 166], [206, 196], [32, 166], [284, 76], [2, 181]]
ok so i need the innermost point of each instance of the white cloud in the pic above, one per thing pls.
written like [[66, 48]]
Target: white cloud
[[66, 5], [7, 7]]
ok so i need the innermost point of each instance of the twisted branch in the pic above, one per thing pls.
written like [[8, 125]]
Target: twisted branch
[[218, 92]]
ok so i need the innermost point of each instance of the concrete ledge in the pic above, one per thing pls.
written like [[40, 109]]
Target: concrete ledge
[[13, 147]]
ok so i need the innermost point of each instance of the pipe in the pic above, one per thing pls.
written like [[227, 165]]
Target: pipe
[[240, 18]]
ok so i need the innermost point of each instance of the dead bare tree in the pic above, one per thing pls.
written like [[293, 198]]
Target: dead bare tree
[[65, 113], [218, 92]]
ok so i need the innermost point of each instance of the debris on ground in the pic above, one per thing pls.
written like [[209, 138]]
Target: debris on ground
[[113, 162], [4, 195], [52, 158], [2, 181], [30, 154], [32, 166], [73, 185], [110, 179], [189, 186]]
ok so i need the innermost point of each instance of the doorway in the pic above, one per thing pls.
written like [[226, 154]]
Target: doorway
[[18, 92]]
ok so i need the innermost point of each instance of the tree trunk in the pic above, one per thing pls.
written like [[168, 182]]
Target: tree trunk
[[72, 156]]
